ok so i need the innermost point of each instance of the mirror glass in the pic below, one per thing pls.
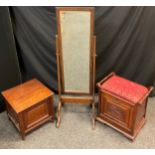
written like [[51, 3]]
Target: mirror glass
[[75, 39]]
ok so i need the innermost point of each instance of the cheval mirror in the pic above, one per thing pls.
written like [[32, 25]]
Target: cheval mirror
[[76, 54]]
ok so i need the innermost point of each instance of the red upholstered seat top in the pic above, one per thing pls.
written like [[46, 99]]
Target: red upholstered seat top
[[124, 88]]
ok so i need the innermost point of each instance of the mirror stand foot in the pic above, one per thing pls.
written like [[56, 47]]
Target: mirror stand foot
[[93, 116], [58, 122], [93, 124], [59, 115]]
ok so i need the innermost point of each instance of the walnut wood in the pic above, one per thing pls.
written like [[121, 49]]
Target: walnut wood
[[93, 85], [58, 65], [124, 116], [146, 95], [26, 95], [82, 97], [77, 99], [29, 105], [131, 137], [105, 79], [59, 82]]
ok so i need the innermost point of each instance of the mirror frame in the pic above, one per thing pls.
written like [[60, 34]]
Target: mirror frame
[[83, 9]]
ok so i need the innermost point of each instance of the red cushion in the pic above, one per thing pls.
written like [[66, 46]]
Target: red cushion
[[124, 88]]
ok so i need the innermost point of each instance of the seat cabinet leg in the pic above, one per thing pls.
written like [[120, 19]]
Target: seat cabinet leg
[[22, 135]]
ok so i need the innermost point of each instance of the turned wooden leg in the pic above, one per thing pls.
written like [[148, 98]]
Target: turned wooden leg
[[59, 114]]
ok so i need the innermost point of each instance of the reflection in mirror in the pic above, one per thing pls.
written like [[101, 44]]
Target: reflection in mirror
[[75, 36]]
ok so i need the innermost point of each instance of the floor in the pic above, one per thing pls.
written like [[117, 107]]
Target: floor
[[76, 132]]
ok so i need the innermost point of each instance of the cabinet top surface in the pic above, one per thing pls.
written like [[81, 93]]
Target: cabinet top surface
[[26, 95]]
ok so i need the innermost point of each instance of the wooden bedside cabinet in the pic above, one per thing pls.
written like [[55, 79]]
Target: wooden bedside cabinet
[[29, 105], [122, 104]]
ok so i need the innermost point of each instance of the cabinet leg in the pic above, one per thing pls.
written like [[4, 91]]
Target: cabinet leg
[[52, 119], [21, 126], [59, 114], [51, 108], [8, 116], [22, 135]]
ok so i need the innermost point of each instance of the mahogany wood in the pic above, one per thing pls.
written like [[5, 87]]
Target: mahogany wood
[[29, 105], [121, 114], [74, 96]]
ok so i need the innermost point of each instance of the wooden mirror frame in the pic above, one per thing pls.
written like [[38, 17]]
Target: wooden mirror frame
[[84, 98]]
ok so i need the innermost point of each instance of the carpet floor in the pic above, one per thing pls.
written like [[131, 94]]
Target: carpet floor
[[76, 132]]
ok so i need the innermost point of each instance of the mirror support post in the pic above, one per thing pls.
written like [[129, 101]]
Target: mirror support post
[[93, 90], [59, 83]]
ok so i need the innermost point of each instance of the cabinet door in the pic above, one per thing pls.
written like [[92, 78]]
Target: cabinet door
[[36, 114], [116, 111]]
